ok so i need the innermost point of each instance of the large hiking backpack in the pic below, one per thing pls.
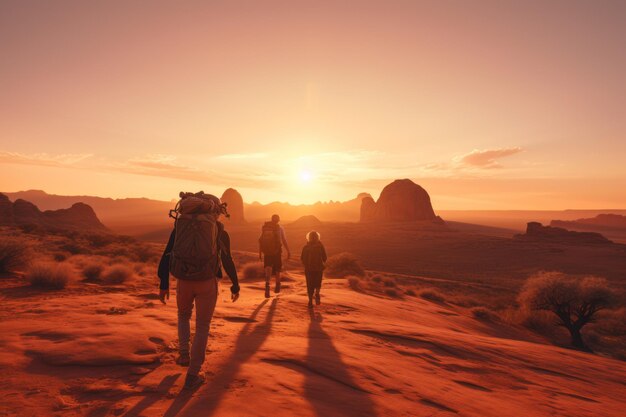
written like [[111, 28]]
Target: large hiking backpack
[[270, 239], [195, 254], [314, 257]]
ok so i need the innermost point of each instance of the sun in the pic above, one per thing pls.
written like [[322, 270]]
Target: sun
[[305, 176]]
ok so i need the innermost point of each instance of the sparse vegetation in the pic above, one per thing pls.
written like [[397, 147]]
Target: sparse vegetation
[[432, 295], [574, 301], [49, 275], [14, 254], [483, 313], [253, 270], [392, 292], [117, 274], [377, 278], [410, 292], [389, 282], [354, 283], [92, 271], [343, 265]]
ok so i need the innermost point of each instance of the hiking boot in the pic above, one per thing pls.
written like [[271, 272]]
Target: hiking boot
[[318, 301], [183, 359], [267, 290], [193, 381], [277, 288]]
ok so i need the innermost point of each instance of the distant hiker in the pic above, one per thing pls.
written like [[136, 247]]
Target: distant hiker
[[197, 249], [270, 251], [314, 259]]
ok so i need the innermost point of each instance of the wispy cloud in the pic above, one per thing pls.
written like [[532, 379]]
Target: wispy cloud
[[43, 159], [473, 162], [256, 155], [488, 158]]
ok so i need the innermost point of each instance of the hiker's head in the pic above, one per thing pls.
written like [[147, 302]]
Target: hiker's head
[[275, 218], [313, 236]]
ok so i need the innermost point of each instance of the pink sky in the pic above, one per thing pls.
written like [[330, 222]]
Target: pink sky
[[489, 105]]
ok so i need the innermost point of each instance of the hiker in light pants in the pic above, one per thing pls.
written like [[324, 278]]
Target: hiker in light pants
[[201, 288]]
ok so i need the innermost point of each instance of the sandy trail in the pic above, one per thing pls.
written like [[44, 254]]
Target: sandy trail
[[355, 355]]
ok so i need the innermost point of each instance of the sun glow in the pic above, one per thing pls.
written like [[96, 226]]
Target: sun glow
[[305, 176]]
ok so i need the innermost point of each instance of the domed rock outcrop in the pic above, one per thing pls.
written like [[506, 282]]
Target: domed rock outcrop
[[400, 201], [80, 215], [308, 221], [6, 210], [235, 205]]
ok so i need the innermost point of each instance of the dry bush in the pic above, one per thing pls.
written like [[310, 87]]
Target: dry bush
[[74, 248], [343, 265], [392, 292], [93, 271], [483, 313], [390, 282], [410, 292], [144, 252], [432, 295], [60, 256], [253, 270], [50, 275], [574, 301], [377, 278], [354, 283], [117, 274], [14, 254]]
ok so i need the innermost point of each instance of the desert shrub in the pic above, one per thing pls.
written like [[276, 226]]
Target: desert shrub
[[344, 264], [253, 270], [146, 252], [389, 282], [483, 313], [410, 292], [432, 295], [117, 274], [98, 240], [377, 279], [60, 256], [93, 270], [354, 283], [574, 301], [14, 254], [74, 248], [49, 275], [392, 292]]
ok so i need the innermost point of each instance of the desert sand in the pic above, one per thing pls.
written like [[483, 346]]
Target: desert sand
[[91, 350]]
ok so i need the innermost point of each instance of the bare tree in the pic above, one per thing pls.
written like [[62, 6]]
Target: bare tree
[[575, 301]]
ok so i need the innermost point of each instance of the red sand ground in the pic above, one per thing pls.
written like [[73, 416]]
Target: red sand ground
[[95, 351]]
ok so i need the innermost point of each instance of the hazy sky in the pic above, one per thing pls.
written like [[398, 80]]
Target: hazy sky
[[492, 104]]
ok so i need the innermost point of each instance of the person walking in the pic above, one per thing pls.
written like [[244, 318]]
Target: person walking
[[197, 249], [313, 258], [271, 241]]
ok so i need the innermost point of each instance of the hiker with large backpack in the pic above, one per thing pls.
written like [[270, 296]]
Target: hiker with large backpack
[[271, 241], [197, 250], [314, 260]]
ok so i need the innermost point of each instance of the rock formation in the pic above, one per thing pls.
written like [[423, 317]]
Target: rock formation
[[21, 212], [536, 231], [309, 221], [400, 201], [235, 205]]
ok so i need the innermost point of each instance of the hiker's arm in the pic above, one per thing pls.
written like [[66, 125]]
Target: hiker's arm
[[227, 262], [163, 272], [283, 239], [303, 256], [260, 251], [324, 257]]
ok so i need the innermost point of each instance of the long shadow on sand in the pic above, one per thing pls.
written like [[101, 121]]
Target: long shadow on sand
[[328, 385], [210, 395], [324, 363]]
